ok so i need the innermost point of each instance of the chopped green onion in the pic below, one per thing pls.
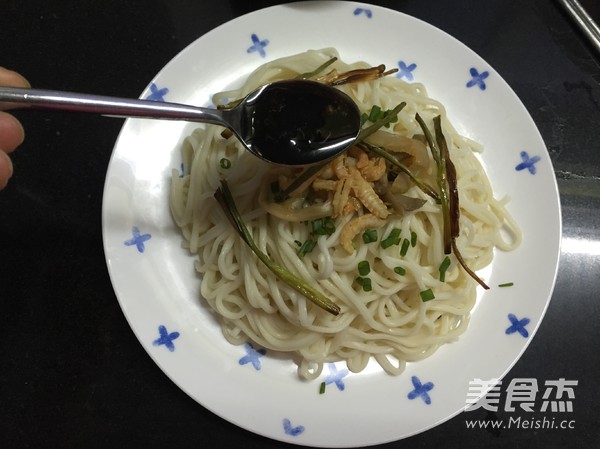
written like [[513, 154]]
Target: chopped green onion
[[370, 236], [225, 163], [443, 267], [400, 270], [506, 284], [364, 268], [375, 113], [298, 242], [323, 226], [404, 249], [306, 247], [322, 388], [388, 118], [413, 239], [392, 239], [364, 118], [365, 283], [427, 295]]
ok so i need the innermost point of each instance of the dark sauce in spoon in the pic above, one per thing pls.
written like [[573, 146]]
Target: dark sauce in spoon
[[299, 122]]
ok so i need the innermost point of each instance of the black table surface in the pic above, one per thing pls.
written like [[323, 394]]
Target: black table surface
[[72, 372]]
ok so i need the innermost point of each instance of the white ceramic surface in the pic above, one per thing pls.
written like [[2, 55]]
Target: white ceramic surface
[[157, 287]]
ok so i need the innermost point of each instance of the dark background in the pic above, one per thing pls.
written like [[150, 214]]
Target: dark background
[[72, 373]]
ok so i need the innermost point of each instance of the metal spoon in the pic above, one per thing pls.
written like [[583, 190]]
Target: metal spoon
[[286, 122]]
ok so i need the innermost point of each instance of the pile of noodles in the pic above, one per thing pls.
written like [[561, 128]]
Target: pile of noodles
[[391, 323]]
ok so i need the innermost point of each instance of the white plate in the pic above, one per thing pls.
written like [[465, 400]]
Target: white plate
[[157, 287]]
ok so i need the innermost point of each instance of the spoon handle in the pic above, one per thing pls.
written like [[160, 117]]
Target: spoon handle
[[113, 106]]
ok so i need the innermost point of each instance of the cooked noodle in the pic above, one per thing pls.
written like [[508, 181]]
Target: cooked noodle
[[391, 323]]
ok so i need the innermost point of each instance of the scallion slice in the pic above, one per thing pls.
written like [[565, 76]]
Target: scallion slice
[[389, 117], [370, 236], [306, 247], [404, 248], [364, 118], [400, 270], [364, 268], [323, 226], [392, 239], [375, 113], [443, 268], [365, 283], [427, 295]]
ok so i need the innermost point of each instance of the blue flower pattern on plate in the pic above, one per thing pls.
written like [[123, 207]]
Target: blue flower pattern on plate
[[517, 325], [477, 79], [290, 430], [166, 338], [336, 377], [367, 12], [252, 356], [258, 45], [528, 163], [406, 71], [157, 94], [420, 390], [138, 240]]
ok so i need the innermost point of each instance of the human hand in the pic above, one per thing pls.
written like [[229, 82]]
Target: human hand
[[11, 130]]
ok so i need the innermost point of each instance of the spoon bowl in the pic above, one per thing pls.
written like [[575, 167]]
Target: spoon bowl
[[291, 122]]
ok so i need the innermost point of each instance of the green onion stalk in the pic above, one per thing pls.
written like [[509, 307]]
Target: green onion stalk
[[442, 184], [225, 199], [309, 75], [447, 184]]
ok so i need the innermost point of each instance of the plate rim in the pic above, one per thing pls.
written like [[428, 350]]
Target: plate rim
[[262, 11]]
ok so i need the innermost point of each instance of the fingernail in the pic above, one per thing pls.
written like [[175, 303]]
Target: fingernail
[[9, 166]]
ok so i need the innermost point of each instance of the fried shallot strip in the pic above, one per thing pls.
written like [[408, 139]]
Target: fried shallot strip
[[355, 226]]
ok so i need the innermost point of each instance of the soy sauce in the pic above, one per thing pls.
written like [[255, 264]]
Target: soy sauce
[[299, 122]]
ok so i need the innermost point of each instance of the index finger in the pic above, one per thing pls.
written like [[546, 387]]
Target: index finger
[[13, 79]]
